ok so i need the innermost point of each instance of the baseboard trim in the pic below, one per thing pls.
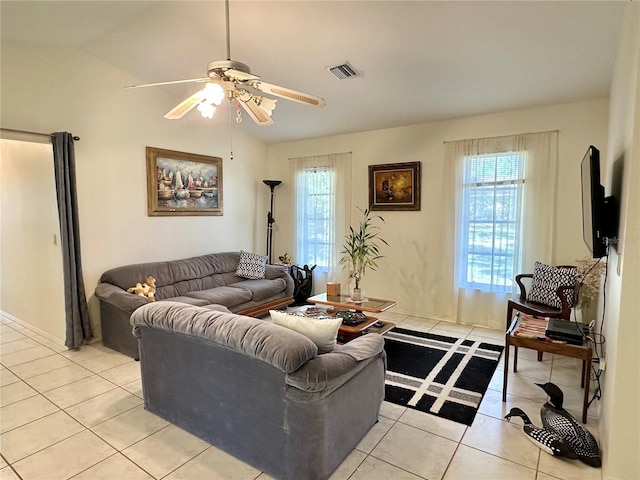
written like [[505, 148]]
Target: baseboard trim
[[28, 325]]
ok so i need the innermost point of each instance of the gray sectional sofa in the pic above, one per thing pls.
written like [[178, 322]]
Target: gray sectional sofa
[[257, 390], [207, 281]]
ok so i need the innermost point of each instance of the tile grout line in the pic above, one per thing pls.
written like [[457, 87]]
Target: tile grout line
[[54, 443], [84, 429], [183, 464], [117, 385], [502, 458], [366, 455], [453, 455]]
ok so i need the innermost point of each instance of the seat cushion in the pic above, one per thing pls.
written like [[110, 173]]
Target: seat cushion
[[546, 280], [227, 296], [262, 289]]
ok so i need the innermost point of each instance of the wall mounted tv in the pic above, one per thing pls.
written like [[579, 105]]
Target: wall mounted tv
[[599, 213]]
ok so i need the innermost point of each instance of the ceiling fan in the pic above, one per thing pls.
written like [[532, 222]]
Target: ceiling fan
[[229, 79]]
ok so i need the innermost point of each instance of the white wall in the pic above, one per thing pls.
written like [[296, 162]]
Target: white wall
[[620, 419], [406, 272], [49, 89]]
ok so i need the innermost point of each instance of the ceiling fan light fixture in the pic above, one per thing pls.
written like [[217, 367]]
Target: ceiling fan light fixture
[[213, 93], [266, 104], [225, 80], [206, 109]]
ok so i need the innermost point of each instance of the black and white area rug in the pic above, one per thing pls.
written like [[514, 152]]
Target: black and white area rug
[[440, 375]]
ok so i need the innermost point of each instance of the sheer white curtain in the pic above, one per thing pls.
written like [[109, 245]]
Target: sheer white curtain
[[322, 201], [540, 154]]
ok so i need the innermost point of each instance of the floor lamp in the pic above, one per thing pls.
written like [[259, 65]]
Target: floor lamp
[[272, 184]]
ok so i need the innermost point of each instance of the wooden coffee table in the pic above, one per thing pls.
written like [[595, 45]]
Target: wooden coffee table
[[368, 305], [372, 305]]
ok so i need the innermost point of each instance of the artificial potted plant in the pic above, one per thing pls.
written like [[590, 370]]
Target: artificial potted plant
[[361, 250], [589, 275]]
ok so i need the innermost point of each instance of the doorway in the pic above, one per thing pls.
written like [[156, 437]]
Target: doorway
[[31, 274]]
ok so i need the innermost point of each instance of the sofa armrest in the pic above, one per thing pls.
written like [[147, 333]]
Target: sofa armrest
[[278, 271], [363, 347], [119, 298], [331, 370]]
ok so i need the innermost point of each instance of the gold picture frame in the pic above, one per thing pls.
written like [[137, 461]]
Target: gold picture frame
[[183, 184], [394, 186]]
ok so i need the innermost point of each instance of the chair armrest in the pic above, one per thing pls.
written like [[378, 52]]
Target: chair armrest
[[565, 293], [523, 289]]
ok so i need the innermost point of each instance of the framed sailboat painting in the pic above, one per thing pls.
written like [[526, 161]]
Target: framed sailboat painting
[[181, 183]]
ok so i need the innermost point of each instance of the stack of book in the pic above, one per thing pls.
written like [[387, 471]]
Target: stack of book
[[528, 326]]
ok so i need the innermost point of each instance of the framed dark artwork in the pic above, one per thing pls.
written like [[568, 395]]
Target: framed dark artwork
[[394, 186], [184, 184]]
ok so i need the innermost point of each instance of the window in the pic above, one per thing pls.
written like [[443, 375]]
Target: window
[[321, 189], [317, 203], [491, 213]]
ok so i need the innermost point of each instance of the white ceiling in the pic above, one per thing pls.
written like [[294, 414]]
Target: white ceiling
[[418, 61]]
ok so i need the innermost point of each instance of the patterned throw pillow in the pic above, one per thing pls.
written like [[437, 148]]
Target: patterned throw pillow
[[321, 331], [251, 265], [546, 280]]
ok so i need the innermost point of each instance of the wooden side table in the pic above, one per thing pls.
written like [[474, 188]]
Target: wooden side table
[[583, 352]]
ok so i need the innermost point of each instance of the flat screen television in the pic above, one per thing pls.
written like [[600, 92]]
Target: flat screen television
[[599, 213]]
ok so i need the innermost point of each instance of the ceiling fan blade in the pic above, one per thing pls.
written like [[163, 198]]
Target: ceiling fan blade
[[253, 109], [288, 93], [184, 107], [240, 75], [169, 83]]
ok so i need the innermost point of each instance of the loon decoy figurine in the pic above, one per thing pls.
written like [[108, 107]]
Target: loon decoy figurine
[[557, 420], [547, 441]]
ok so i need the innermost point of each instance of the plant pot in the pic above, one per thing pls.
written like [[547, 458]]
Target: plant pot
[[357, 294]]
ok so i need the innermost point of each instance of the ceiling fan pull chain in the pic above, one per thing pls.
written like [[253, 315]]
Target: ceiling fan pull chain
[[230, 125], [238, 113]]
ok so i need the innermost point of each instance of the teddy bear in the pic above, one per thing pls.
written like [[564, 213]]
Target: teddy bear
[[285, 259], [146, 289]]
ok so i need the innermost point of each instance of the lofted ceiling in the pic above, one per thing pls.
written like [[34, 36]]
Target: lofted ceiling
[[418, 61]]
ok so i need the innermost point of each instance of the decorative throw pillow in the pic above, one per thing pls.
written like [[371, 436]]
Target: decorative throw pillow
[[251, 265], [321, 331], [546, 280]]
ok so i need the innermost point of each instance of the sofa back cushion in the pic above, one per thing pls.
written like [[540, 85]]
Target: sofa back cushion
[[284, 349], [177, 277]]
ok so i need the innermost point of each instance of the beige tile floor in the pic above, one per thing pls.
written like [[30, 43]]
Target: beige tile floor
[[79, 414]]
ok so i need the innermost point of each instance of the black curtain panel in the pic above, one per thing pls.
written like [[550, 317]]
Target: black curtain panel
[[77, 313]]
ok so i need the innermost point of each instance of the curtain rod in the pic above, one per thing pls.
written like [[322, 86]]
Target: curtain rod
[[500, 136], [13, 130]]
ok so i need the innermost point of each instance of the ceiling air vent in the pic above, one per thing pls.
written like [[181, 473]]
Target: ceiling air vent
[[342, 71]]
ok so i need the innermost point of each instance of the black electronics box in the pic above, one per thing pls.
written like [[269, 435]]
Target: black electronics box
[[571, 332]]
